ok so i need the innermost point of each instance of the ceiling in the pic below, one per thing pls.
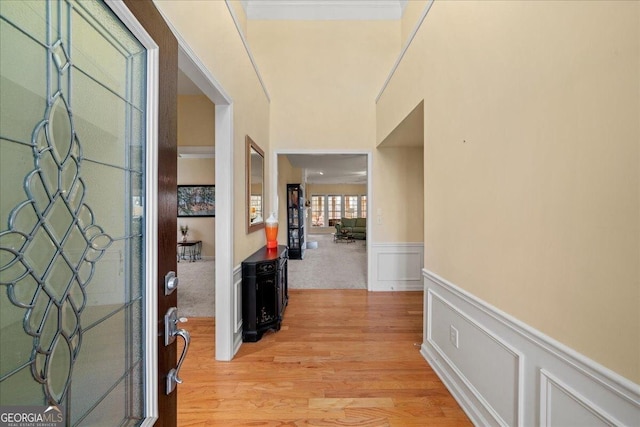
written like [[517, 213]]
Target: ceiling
[[324, 9], [332, 168]]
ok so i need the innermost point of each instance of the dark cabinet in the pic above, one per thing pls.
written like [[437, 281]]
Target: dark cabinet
[[264, 292], [295, 220]]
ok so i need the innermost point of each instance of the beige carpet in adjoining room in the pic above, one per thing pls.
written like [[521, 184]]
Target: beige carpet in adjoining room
[[196, 288], [331, 266]]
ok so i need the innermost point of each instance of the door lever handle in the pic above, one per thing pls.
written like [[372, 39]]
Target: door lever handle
[[171, 331], [173, 378], [171, 321]]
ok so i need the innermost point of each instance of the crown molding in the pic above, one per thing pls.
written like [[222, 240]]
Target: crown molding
[[324, 10]]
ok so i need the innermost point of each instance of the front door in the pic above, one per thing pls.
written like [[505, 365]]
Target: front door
[[87, 210]]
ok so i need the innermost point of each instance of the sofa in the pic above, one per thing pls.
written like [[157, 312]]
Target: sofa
[[357, 227]]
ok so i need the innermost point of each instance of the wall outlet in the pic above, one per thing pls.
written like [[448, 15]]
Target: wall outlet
[[453, 336]]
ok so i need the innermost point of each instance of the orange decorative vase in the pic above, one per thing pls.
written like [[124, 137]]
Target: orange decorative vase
[[271, 230]]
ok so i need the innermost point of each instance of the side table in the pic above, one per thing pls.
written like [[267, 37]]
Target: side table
[[344, 237], [190, 249]]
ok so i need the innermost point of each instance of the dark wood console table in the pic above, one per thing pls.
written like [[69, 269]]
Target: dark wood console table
[[265, 292]]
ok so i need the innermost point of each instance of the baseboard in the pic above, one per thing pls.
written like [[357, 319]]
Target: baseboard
[[396, 266], [237, 308], [504, 372]]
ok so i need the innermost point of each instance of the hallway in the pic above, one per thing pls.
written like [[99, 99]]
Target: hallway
[[332, 265], [342, 357]]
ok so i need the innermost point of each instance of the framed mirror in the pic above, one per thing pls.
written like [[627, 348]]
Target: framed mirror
[[255, 186]]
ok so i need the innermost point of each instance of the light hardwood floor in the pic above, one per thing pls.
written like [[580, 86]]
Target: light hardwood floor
[[342, 358]]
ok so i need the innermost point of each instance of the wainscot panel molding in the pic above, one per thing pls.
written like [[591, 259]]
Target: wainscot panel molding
[[503, 372], [237, 308], [561, 405], [396, 266], [492, 375]]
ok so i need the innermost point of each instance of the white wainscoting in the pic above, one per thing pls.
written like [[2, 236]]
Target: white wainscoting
[[505, 373], [237, 308], [396, 266]]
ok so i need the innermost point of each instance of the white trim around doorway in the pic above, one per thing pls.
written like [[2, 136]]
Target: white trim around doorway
[[195, 69]]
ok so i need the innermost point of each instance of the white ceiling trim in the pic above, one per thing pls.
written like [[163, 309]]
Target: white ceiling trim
[[196, 151], [324, 10]]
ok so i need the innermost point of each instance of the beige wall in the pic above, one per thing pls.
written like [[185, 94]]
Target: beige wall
[[196, 121], [532, 130], [209, 30], [323, 77], [241, 15], [339, 189], [412, 12], [196, 126], [401, 217], [198, 172]]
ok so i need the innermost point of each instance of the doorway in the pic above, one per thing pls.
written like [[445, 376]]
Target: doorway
[[195, 70], [302, 158], [196, 201]]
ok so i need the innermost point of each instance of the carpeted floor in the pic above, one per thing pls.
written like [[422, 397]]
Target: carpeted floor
[[331, 266], [196, 289]]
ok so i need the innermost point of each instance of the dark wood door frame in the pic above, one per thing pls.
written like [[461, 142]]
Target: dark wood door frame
[[150, 18]]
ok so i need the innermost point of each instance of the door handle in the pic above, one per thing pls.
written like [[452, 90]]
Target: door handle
[[172, 377], [171, 331]]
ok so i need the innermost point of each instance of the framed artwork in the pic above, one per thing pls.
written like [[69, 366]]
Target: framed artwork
[[196, 200]]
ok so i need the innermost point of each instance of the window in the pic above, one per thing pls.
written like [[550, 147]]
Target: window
[[334, 205], [256, 207], [317, 211], [350, 206], [326, 211], [363, 206]]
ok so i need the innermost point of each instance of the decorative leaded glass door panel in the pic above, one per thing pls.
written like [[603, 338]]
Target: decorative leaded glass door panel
[[75, 232]]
